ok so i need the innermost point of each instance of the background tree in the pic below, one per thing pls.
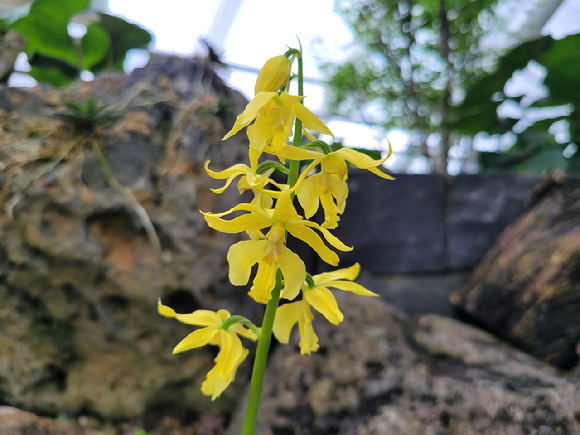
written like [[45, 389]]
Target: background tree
[[413, 59]]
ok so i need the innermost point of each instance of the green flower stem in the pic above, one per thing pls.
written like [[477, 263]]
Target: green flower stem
[[266, 334], [260, 362], [295, 164]]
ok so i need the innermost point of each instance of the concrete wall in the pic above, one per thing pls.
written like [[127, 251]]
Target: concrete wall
[[419, 237]]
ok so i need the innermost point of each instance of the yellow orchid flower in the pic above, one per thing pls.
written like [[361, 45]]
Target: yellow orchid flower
[[249, 181], [271, 253], [231, 354], [329, 185], [274, 74], [274, 115], [290, 314], [317, 295]]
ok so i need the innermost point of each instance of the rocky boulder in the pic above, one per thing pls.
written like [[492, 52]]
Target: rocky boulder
[[382, 372], [527, 287], [79, 275]]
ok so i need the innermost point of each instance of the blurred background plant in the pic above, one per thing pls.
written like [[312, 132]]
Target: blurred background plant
[[463, 86], [413, 61], [437, 70], [63, 39], [546, 126]]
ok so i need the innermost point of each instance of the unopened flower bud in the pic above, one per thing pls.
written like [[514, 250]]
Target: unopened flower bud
[[273, 75]]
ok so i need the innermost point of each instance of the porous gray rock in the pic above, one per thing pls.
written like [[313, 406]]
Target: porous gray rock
[[382, 372], [79, 277]]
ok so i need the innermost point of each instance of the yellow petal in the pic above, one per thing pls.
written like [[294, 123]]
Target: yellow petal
[[308, 236], [352, 287], [330, 210], [339, 191], [247, 333], [278, 145], [297, 153], [310, 121], [308, 338], [274, 74], [237, 225], [261, 132], [230, 353], [323, 301], [264, 281], [242, 256], [237, 169], [240, 207], [214, 385], [293, 270], [287, 101], [284, 210], [230, 174], [223, 314], [309, 195], [250, 112], [200, 318], [308, 135], [330, 238], [380, 173], [348, 273], [198, 338], [262, 199], [363, 161], [164, 310], [286, 317]]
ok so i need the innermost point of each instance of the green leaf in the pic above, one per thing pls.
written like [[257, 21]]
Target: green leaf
[[544, 160], [478, 112], [515, 60], [53, 75], [46, 28], [562, 62], [74, 106], [95, 45], [124, 36], [490, 161], [49, 70], [545, 124], [482, 117]]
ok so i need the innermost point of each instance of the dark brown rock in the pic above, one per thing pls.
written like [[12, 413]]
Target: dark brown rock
[[527, 287], [381, 372], [79, 277]]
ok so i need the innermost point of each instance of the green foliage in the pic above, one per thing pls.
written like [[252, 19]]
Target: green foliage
[[535, 149], [87, 117], [46, 69], [57, 58], [124, 36], [46, 28], [403, 66]]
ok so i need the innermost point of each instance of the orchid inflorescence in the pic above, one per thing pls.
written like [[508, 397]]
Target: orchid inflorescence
[[272, 117]]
